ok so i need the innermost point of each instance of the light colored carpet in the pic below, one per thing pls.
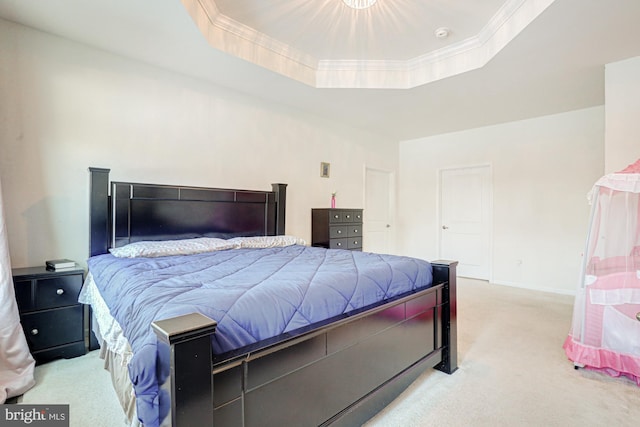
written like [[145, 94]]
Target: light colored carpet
[[513, 372], [84, 385]]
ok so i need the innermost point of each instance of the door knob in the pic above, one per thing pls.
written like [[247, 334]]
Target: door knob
[[444, 227], [388, 225]]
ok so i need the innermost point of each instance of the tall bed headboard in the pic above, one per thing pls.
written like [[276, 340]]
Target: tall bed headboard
[[127, 212]]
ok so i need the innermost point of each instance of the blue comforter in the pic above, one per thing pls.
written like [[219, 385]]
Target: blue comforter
[[253, 294]]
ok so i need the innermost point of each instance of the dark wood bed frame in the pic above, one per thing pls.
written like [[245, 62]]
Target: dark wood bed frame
[[339, 373]]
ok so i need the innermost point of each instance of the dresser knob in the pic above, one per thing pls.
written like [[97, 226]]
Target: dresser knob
[[34, 331], [336, 216], [355, 242], [355, 230], [339, 244], [60, 291], [339, 231], [638, 316], [348, 216]]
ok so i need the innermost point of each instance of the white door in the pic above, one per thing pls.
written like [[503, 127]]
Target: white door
[[377, 211], [465, 219]]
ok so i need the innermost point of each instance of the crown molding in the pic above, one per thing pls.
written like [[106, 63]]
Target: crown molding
[[237, 39]]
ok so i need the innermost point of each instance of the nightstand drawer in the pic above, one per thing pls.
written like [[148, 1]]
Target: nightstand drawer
[[57, 291], [52, 319], [56, 327]]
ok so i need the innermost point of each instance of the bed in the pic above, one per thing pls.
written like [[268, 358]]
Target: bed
[[324, 364]]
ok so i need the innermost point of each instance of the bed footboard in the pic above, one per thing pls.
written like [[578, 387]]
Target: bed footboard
[[356, 358], [445, 272], [189, 338]]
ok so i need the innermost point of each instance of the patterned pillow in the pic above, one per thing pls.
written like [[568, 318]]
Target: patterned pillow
[[258, 242], [151, 249]]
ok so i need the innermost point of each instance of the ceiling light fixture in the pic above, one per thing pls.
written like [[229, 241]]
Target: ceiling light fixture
[[359, 4]]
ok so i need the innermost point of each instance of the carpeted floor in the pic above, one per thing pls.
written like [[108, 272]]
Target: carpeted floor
[[513, 372], [84, 385]]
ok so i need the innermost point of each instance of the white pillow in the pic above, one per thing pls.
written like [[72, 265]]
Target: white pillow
[[258, 242], [151, 249]]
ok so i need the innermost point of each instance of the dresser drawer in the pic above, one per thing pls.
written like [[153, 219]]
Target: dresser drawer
[[354, 243], [336, 216], [339, 244], [354, 230], [49, 328], [348, 216], [338, 231], [57, 291]]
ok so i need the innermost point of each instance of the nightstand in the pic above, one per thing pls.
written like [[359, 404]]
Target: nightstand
[[52, 318], [337, 228]]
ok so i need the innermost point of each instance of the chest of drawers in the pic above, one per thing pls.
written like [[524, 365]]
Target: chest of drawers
[[337, 228], [52, 318]]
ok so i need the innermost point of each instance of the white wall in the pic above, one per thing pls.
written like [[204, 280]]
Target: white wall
[[542, 169], [65, 107], [622, 112]]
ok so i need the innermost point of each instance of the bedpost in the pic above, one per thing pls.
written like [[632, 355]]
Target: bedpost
[[281, 207], [189, 338], [98, 211], [445, 271]]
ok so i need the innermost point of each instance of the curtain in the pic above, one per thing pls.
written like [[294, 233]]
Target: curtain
[[16, 363]]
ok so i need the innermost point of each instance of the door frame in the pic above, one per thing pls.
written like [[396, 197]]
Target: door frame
[[489, 220], [391, 207]]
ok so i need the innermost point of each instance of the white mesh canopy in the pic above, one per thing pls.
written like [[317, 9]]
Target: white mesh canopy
[[605, 332]]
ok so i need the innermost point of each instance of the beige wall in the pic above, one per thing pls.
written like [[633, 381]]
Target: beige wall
[[65, 107], [542, 169], [622, 112]]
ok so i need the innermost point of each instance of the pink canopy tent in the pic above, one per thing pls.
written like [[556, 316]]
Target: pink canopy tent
[[605, 332]]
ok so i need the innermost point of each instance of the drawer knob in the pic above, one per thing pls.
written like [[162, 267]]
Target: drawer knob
[[339, 231], [638, 316], [60, 291], [339, 244], [34, 331], [348, 216], [336, 216], [355, 242], [355, 230]]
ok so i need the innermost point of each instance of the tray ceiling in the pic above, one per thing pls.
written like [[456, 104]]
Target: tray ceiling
[[552, 64], [393, 44]]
